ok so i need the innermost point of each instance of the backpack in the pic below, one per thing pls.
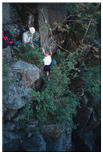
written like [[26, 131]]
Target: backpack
[[54, 62], [6, 39]]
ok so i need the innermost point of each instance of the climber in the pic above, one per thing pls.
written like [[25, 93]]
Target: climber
[[28, 36], [47, 62]]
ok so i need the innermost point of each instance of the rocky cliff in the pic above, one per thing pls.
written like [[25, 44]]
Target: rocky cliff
[[21, 77]]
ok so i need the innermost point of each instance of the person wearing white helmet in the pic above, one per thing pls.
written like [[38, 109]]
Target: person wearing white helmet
[[28, 36]]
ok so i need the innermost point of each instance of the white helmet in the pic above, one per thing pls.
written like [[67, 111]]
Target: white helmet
[[32, 30]]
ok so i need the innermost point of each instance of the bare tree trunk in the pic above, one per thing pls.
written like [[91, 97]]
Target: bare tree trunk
[[30, 20], [43, 28]]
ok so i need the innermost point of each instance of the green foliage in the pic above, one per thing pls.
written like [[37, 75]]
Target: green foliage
[[88, 69], [28, 111], [33, 56], [79, 17], [92, 76], [69, 64], [30, 54], [56, 103]]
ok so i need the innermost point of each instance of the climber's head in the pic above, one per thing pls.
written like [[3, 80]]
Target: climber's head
[[32, 30], [46, 53]]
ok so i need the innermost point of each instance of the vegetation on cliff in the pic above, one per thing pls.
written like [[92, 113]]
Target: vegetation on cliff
[[78, 55]]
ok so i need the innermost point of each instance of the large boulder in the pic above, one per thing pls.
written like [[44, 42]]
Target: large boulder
[[19, 79], [27, 73]]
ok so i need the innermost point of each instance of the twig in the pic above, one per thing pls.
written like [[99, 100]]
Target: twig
[[57, 43], [86, 30], [62, 22]]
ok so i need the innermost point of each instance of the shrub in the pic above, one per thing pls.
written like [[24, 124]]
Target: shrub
[[92, 76], [29, 54], [56, 103], [28, 111]]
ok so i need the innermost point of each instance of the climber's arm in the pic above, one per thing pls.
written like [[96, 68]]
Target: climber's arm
[[43, 50], [50, 51], [31, 41]]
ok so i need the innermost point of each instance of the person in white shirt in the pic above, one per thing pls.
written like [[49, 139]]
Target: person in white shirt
[[47, 62], [28, 36]]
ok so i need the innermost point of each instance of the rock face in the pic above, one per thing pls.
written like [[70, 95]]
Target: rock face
[[15, 30], [61, 144], [36, 143], [85, 136], [83, 116], [14, 142], [86, 141], [21, 76], [27, 72], [11, 21], [56, 140], [88, 138], [11, 142], [6, 13]]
